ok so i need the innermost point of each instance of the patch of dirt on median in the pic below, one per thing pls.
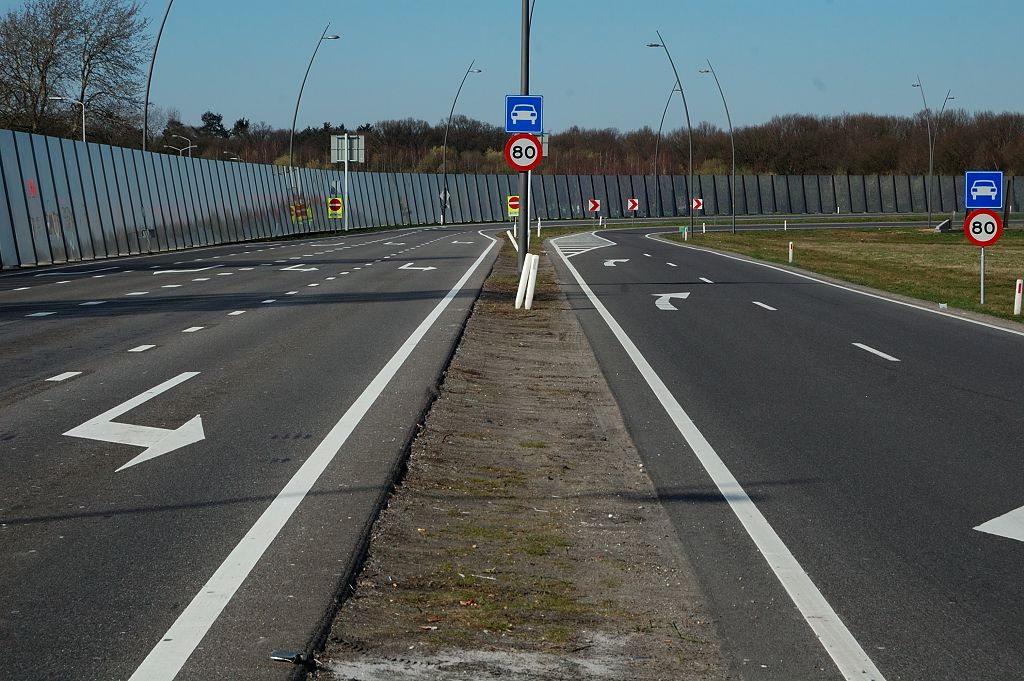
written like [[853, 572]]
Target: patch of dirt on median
[[525, 541]]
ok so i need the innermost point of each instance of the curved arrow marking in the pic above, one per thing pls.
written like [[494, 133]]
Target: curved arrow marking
[[157, 441], [1009, 525], [408, 266], [664, 300], [612, 263]]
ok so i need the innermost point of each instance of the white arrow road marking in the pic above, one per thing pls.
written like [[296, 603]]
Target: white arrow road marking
[[1009, 525], [664, 300], [612, 263], [296, 268], [157, 441], [408, 266], [199, 269]]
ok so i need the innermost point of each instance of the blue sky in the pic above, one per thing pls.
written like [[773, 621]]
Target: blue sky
[[404, 58]]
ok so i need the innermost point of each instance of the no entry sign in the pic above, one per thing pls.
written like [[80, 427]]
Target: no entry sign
[[523, 152], [335, 207], [513, 206]]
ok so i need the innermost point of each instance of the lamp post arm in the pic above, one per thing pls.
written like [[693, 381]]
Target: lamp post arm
[[444, 146], [689, 128], [295, 116], [149, 77], [732, 140]]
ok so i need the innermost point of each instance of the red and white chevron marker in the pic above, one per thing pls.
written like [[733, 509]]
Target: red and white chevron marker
[[594, 206], [697, 204], [632, 204]]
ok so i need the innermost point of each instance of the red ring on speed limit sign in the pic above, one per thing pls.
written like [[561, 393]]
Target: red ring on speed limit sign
[[983, 227], [523, 152]]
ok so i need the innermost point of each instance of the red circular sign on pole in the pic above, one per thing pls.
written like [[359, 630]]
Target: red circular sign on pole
[[983, 227], [334, 205], [513, 202], [523, 152]]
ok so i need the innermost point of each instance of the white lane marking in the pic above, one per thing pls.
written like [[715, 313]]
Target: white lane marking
[[299, 268], [142, 348], [157, 441], [236, 313], [192, 271], [23, 288], [137, 293], [65, 376], [92, 302], [40, 314], [613, 262], [311, 285], [175, 647], [342, 272], [706, 280], [330, 278], [767, 307], [193, 329], [851, 659], [246, 269], [202, 279], [98, 276], [66, 272], [841, 287], [664, 300], [672, 264], [269, 300], [171, 286], [870, 349], [224, 274], [1009, 525], [291, 293], [66, 281], [409, 266], [647, 255]]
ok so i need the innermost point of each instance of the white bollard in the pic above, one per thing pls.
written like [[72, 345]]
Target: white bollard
[[600, 220], [703, 228], [512, 239], [524, 279], [538, 227], [790, 251], [533, 281], [686, 233], [785, 225], [1017, 297]]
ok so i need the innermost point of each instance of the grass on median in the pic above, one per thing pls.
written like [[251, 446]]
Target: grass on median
[[921, 263]]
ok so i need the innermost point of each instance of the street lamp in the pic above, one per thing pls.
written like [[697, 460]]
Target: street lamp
[[686, 110], [232, 156], [657, 144], [291, 139], [180, 150], [444, 151], [149, 77], [931, 141], [711, 69], [190, 146], [54, 98]]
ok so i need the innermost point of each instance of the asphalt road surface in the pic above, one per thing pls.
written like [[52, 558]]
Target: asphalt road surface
[[193, 445], [845, 471]]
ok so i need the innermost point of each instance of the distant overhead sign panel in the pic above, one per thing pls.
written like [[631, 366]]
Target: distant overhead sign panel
[[524, 113], [983, 189]]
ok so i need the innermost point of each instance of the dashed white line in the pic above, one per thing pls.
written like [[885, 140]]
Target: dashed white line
[[767, 307], [291, 293], [92, 302], [647, 255], [202, 279], [311, 285], [330, 278], [236, 313], [193, 329], [224, 274], [142, 348], [65, 376], [171, 286], [706, 280], [881, 354], [137, 293], [23, 288], [672, 264], [40, 314], [268, 300]]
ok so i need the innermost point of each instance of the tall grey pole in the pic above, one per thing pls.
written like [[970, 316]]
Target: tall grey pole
[[348, 153], [657, 144], [732, 139], [931, 155], [149, 77], [444, 146], [689, 128], [524, 186], [295, 116]]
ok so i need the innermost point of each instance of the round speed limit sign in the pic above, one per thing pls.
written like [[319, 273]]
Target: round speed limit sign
[[523, 152], [983, 227]]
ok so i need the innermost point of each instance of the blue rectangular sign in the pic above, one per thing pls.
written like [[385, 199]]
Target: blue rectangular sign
[[983, 189], [524, 113]]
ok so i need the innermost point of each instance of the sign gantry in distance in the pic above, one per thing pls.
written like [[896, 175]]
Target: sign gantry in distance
[[523, 152]]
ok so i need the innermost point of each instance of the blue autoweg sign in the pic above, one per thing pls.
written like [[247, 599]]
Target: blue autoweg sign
[[983, 189], [524, 113]]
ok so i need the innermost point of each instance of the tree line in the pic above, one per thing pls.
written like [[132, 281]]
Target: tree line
[[55, 54]]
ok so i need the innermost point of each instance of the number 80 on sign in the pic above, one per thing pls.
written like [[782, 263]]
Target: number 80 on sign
[[523, 152], [983, 227]]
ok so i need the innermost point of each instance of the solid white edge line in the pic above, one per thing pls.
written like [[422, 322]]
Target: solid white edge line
[[834, 285], [851, 659], [175, 647], [870, 349]]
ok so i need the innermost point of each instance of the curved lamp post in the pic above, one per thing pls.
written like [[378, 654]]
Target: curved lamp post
[[149, 77], [931, 142], [55, 98], [291, 138], [657, 144], [444, 151], [190, 146], [711, 69], [686, 110]]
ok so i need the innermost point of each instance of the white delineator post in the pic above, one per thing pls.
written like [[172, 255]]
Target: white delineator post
[[538, 228], [532, 285], [512, 238], [791, 251], [785, 225], [524, 279], [1017, 296]]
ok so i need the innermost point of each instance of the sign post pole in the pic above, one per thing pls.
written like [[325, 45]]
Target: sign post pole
[[345, 194], [982, 275]]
